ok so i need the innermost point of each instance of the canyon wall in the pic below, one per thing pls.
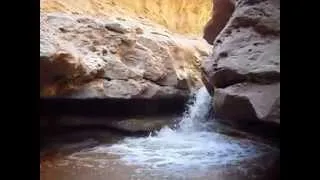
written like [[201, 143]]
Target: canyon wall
[[243, 71], [182, 16]]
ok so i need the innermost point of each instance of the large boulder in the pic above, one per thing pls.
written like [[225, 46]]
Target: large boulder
[[248, 101], [244, 68], [89, 57]]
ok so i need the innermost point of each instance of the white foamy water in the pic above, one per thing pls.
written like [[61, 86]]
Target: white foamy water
[[190, 145]]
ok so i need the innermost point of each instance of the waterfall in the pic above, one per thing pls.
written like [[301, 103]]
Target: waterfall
[[190, 145], [195, 118]]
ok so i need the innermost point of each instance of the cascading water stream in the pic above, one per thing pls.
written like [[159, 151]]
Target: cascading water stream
[[195, 117], [190, 145]]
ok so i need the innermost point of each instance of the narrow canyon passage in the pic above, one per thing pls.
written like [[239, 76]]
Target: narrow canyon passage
[[160, 90]]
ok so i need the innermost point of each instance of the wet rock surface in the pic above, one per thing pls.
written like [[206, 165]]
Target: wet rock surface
[[127, 125]]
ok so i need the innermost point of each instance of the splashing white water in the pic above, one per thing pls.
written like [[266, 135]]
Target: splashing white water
[[195, 117], [190, 145]]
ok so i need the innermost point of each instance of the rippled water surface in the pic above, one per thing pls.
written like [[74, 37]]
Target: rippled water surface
[[189, 151]]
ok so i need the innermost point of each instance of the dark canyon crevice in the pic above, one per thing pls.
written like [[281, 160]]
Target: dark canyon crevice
[[127, 117], [112, 106], [221, 13]]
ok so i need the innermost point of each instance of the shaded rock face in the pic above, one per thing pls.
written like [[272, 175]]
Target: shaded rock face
[[125, 115], [244, 68], [112, 107], [222, 11], [134, 125], [85, 57]]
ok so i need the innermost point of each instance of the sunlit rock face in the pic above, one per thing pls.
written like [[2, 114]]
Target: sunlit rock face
[[82, 56], [182, 16]]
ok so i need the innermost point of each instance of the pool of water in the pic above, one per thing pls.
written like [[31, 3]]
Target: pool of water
[[189, 150], [106, 162]]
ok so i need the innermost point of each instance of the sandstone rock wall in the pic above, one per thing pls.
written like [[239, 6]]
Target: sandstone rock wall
[[183, 16], [244, 68], [87, 57]]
